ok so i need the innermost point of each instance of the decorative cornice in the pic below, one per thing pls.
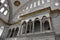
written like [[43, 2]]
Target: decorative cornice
[[36, 12]]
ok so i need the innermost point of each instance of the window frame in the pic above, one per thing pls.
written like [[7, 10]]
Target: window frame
[[44, 20]]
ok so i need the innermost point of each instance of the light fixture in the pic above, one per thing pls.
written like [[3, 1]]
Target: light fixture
[[56, 4]]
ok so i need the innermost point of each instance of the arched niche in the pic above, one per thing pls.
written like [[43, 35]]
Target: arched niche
[[46, 25], [24, 27], [9, 32], [29, 26], [37, 25], [16, 31], [12, 33]]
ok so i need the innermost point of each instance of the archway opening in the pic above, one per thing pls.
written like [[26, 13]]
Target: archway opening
[[24, 27], [46, 25], [37, 25], [29, 26]]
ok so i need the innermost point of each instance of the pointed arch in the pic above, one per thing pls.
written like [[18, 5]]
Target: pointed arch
[[24, 27], [29, 26], [37, 25]]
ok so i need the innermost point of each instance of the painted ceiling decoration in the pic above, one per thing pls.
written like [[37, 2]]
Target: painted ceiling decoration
[[17, 3]]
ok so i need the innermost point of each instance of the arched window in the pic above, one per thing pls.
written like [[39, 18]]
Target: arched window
[[16, 31], [29, 26], [37, 25], [12, 32], [9, 32], [24, 27], [46, 25]]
